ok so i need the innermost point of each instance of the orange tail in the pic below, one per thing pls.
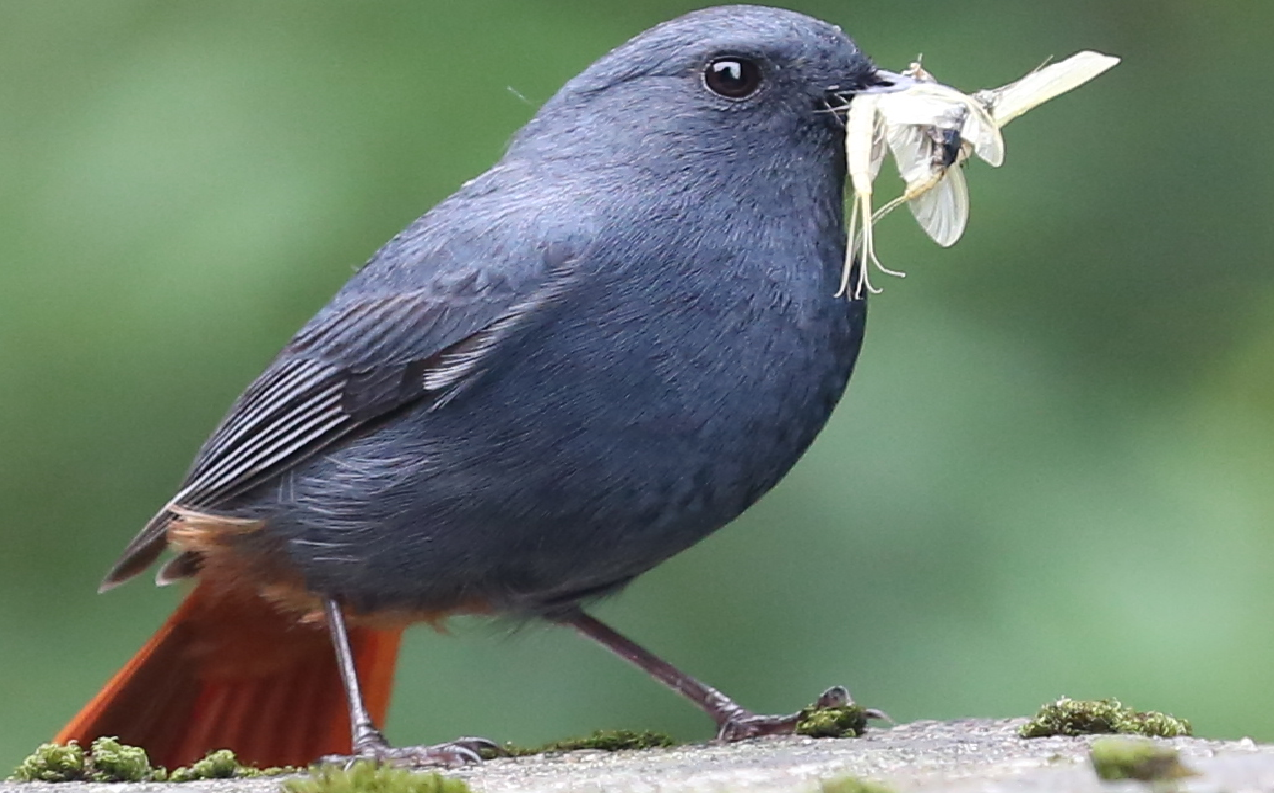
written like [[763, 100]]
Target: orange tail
[[231, 672]]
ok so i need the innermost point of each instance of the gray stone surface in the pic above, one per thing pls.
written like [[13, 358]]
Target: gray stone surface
[[965, 755]]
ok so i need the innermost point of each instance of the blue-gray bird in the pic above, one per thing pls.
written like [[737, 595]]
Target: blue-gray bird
[[585, 361]]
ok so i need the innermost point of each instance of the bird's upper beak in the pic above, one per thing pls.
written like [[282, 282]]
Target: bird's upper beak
[[880, 81], [887, 82]]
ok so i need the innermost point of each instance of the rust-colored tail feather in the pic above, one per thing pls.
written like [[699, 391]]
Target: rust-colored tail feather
[[229, 671]]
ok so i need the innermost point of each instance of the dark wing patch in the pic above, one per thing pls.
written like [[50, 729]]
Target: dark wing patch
[[294, 404], [351, 365]]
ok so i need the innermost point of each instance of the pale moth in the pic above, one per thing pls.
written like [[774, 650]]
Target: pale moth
[[931, 129]]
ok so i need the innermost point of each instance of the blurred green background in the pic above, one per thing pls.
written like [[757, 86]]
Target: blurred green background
[[1053, 473]]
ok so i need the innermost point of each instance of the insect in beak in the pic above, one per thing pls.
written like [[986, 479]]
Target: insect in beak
[[931, 129]]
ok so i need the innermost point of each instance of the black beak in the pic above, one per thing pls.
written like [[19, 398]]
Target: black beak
[[880, 81], [887, 82]]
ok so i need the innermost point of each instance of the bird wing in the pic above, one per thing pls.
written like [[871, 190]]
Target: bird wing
[[359, 359]]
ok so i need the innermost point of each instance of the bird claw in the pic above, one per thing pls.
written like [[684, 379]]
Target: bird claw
[[460, 752], [839, 697], [746, 725]]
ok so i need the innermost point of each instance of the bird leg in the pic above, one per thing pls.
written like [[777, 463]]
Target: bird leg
[[367, 740], [733, 721]]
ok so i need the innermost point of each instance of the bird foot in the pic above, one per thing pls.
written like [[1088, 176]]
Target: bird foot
[[749, 726], [462, 751], [744, 724]]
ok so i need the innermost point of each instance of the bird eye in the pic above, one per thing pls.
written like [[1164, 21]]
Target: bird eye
[[734, 78]]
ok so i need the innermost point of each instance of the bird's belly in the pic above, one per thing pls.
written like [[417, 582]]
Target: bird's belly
[[578, 467]]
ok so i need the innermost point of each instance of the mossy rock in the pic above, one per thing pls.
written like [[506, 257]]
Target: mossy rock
[[852, 784], [109, 761], [1136, 759], [1067, 717], [608, 740], [833, 722], [54, 763], [370, 776]]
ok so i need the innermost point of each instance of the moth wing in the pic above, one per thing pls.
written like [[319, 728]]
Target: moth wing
[[1010, 101], [913, 151], [926, 104], [943, 211], [941, 106], [980, 130]]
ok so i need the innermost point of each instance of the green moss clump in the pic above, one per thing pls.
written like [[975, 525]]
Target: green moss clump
[[1068, 717], [369, 776], [216, 764], [113, 762], [221, 764], [852, 784], [1156, 723], [1136, 759], [834, 721], [106, 761], [610, 741], [54, 763], [269, 771]]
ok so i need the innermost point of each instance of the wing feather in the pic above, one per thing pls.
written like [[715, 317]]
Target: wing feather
[[359, 359], [263, 401]]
